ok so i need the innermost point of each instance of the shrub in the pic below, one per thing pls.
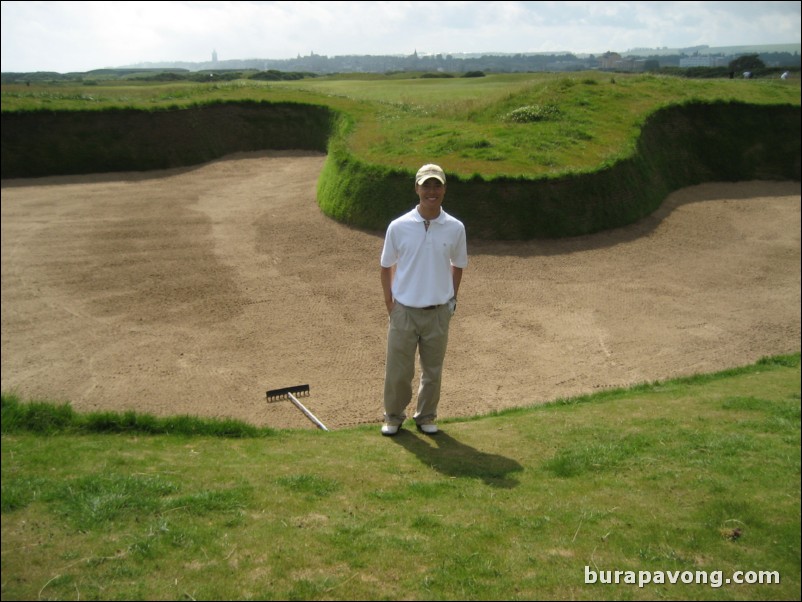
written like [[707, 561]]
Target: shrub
[[530, 113]]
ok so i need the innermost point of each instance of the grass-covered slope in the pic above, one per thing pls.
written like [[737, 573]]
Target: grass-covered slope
[[42, 143], [678, 146], [528, 155], [690, 489]]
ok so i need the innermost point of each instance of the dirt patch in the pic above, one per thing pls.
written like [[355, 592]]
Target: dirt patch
[[193, 291]]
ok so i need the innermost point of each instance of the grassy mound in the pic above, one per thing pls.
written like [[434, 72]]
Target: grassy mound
[[677, 147], [528, 155]]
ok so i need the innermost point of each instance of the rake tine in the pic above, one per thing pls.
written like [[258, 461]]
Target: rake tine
[[277, 394]]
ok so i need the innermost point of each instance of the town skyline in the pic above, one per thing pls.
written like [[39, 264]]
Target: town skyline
[[77, 36]]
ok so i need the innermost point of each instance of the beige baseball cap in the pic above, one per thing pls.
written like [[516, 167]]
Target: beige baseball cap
[[430, 170]]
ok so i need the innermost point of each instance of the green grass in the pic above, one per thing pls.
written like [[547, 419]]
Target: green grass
[[460, 121], [533, 155], [698, 475], [463, 121], [48, 419]]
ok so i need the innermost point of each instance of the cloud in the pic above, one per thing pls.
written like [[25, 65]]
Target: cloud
[[79, 36]]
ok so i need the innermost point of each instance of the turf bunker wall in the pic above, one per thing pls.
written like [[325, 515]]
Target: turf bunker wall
[[46, 143], [678, 146]]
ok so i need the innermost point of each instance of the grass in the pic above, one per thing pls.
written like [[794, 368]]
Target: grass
[[48, 419], [532, 155], [460, 121], [463, 121], [692, 478]]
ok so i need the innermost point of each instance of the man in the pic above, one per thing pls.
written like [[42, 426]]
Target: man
[[422, 260]]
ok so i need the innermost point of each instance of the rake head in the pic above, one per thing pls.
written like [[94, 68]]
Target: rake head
[[279, 394]]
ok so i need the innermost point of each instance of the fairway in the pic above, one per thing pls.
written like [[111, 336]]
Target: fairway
[[193, 291]]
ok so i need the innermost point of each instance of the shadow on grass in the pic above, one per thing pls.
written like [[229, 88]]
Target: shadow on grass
[[452, 458]]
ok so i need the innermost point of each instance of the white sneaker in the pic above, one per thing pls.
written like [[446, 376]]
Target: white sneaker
[[429, 429], [388, 430]]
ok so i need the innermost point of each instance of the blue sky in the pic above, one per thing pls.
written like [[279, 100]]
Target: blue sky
[[80, 36]]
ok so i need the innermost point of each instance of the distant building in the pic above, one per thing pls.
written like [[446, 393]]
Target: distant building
[[702, 60], [614, 61], [214, 56], [609, 60]]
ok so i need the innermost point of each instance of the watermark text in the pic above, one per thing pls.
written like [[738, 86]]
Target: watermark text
[[714, 579]]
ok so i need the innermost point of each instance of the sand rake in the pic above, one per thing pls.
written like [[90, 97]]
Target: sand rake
[[290, 393]]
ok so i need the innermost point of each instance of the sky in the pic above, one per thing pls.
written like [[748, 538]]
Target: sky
[[81, 36]]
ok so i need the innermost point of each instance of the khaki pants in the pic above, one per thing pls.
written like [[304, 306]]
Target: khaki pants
[[411, 330]]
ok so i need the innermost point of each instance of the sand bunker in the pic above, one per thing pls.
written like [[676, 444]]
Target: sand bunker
[[193, 291]]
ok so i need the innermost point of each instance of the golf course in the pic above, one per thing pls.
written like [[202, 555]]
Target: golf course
[[621, 389]]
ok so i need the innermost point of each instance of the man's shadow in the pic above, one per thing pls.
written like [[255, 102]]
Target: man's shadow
[[450, 457]]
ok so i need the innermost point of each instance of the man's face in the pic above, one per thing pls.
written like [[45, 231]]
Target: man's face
[[431, 193]]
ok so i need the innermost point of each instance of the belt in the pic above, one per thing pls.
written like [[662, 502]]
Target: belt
[[427, 307]]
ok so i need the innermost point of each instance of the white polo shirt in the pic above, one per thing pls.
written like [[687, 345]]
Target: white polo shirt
[[423, 258]]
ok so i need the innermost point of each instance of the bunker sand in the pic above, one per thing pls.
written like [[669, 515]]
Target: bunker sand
[[193, 291]]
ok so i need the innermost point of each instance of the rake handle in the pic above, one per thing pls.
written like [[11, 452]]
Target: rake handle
[[309, 414]]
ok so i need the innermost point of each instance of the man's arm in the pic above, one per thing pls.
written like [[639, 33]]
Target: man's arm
[[456, 277], [387, 287]]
